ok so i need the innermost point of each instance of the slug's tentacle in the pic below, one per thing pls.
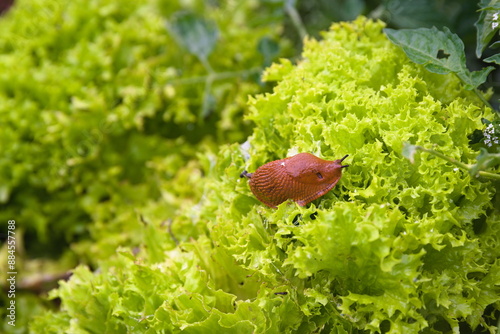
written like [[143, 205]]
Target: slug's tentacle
[[345, 156], [246, 174]]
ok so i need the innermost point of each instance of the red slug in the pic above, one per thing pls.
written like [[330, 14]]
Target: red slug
[[302, 178]]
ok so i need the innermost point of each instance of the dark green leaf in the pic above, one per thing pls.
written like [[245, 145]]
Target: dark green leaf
[[193, 32], [416, 14], [351, 9], [269, 49], [493, 59], [495, 45], [487, 24], [438, 51]]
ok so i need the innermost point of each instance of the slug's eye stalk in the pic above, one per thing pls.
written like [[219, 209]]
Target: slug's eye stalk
[[246, 174], [344, 166]]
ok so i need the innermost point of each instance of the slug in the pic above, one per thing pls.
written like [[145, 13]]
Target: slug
[[302, 178]]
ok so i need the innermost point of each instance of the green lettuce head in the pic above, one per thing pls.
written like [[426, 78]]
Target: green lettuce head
[[395, 247]]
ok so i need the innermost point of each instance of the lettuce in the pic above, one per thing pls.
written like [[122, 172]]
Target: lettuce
[[395, 247], [102, 114]]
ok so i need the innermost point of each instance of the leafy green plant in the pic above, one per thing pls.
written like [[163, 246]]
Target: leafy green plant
[[396, 247], [443, 52], [487, 25], [439, 51], [110, 112], [485, 160], [94, 106], [103, 112]]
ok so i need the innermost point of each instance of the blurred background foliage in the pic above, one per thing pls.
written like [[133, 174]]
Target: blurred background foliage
[[106, 105]]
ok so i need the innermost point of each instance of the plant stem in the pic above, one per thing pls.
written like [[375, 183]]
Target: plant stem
[[488, 175], [444, 157], [482, 98], [459, 164], [206, 64], [295, 17]]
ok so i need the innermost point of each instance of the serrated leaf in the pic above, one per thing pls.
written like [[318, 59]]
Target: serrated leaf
[[438, 51], [487, 24], [193, 32], [476, 78], [485, 160]]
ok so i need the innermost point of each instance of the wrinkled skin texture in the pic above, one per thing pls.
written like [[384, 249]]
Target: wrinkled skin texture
[[301, 178]]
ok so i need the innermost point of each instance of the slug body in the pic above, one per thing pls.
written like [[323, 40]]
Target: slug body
[[302, 178]]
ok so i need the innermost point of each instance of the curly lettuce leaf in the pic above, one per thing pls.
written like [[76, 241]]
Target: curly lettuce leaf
[[394, 247]]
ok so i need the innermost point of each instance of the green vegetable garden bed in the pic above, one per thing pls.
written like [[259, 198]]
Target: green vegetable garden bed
[[126, 175]]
